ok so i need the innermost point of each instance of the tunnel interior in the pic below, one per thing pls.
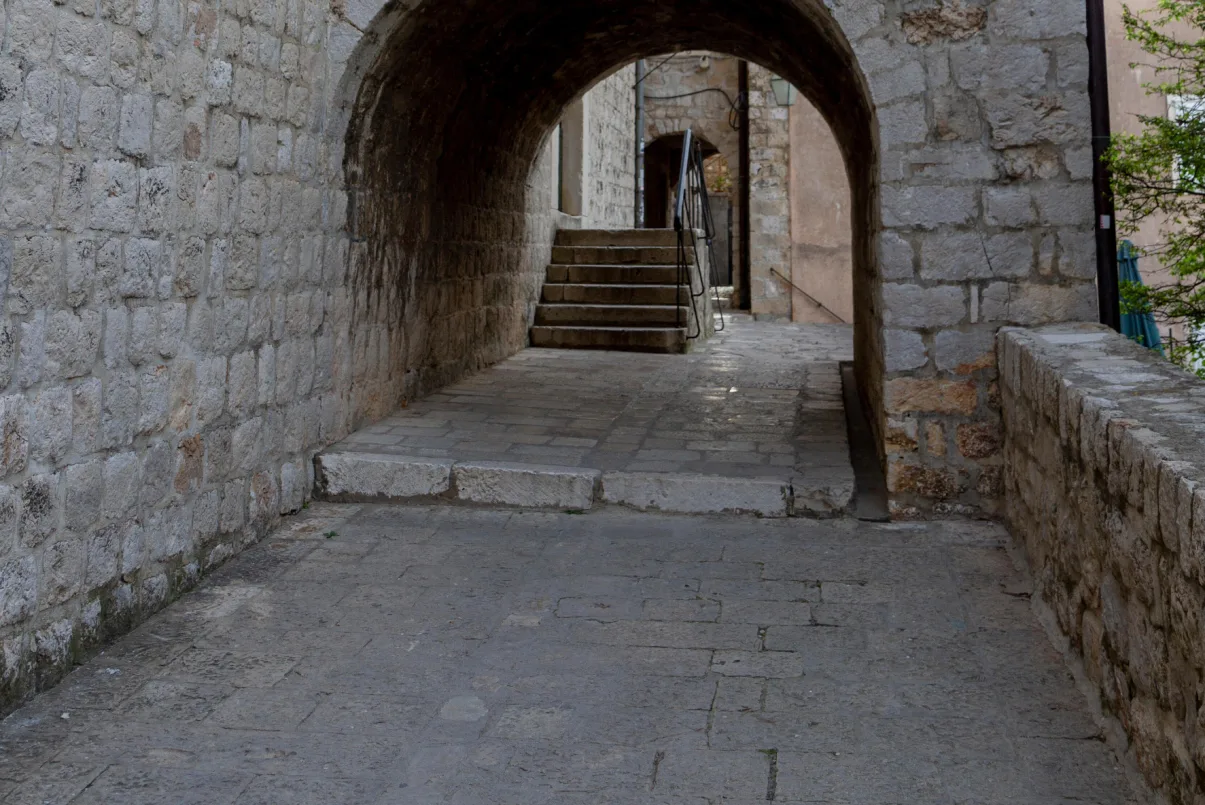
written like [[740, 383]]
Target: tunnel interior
[[452, 107]]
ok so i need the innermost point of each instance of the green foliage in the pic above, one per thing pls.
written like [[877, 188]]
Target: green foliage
[[1160, 173]]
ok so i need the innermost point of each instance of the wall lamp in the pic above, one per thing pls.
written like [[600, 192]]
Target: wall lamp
[[784, 92]]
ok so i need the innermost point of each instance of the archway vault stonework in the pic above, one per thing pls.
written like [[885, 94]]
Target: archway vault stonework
[[233, 232]]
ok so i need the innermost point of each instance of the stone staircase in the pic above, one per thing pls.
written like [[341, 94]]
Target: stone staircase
[[618, 289]]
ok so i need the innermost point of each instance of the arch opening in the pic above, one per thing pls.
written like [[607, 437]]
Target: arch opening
[[451, 212], [662, 158]]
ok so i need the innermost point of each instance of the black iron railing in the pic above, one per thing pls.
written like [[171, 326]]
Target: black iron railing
[[693, 221], [807, 295]]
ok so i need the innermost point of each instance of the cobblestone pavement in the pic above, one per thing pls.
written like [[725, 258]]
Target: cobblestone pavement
[[758, 400], [416, 655]]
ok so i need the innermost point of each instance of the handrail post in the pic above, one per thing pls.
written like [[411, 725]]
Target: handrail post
[[686, 219], [687, 142]]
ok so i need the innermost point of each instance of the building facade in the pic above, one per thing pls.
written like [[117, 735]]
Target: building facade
[[799, 263]]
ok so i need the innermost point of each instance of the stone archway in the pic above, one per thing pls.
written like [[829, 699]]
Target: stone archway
[[447, 105], [449, 233]]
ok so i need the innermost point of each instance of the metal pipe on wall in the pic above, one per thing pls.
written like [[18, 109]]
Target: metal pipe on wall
[[1107, 290], [638, 209], [744, 291]]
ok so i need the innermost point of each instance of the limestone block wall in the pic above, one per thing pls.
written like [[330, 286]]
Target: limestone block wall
[[696, 90], [610, 176], [173, 336], [769, 199], [1105, 490], [986, 213]]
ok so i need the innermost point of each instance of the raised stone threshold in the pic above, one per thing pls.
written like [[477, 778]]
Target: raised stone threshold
[[372, 477]]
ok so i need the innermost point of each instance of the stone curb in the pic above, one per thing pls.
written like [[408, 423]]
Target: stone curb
[[697, 494], [372, 476], [824, 492], [528, 485], [354, 476]]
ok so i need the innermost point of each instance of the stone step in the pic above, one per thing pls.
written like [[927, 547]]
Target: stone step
[[616, 237], [627, 339], [638, 294], [373, 477], [618, 255], [613, 315], [613, 275]]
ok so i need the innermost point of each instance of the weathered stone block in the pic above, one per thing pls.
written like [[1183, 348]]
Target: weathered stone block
[[932, 396], [48, 425], [10, 96], [526, 485], [1030, 303], [1009, 206], [103, 558], [928, 207], [1034, 19], [964, 352], [40, 109], [980, 66], [365, 475], [158, 470], [114, 186], [122, 475], [933, 483], [963, 256], [915, 306], [41, 509], [83, 485], [135, 122], [979, 440], [72, 343], [1016, 120], [37, 274], [18, 589], [905, 350]]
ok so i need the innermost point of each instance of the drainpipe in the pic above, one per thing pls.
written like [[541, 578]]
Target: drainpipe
[[1106, 231], [638, 209], [745, 291]]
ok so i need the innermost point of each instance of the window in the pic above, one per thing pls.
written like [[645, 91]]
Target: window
[[1188, 110], [557, 150]]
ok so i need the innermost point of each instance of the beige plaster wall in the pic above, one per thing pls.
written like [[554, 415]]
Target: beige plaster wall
[[821, 230]]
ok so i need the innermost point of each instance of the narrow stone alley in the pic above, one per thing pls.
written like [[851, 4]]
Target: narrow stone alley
[[753, 411], [441, 654]]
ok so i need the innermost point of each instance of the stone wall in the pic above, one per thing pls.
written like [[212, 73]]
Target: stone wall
[[174, 332], [1105, 490], [610, 193], [769, 199], [697, 90], [987, 213]]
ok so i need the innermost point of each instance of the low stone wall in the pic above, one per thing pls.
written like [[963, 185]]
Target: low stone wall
[[1103, 488]]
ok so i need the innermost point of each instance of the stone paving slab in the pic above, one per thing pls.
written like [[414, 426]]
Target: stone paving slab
[[412, 655], [759, 405]]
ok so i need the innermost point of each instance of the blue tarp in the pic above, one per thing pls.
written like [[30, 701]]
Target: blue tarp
[[1139, 327]]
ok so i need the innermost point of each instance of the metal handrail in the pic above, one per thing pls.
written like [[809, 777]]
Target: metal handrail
[[683, 169], [692, 208], [811, 298]]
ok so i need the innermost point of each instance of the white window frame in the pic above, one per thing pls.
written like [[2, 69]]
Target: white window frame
[[1177, 105]]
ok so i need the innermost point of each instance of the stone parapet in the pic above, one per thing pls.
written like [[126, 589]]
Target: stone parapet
[[1105, 489]]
